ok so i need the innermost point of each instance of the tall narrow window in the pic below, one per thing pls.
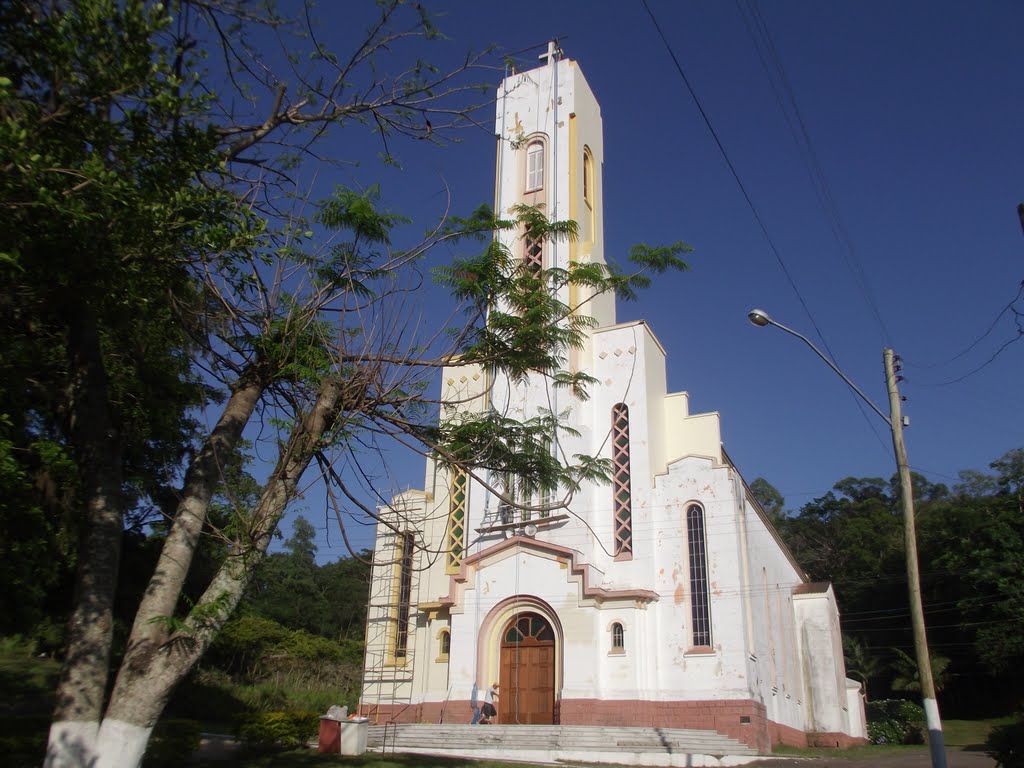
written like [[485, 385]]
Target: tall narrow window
[[588, 177], [587, 215], [622, 508], [618, 638], [457, 499], [534, 166], [700, 604], [404, 597]]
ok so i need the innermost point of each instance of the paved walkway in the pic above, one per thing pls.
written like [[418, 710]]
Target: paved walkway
[[903, 760]]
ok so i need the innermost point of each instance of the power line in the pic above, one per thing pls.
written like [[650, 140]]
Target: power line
[[1019, 322], [766, 50], [750, 204]]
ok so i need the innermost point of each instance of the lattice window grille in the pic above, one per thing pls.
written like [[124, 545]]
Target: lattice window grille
[[621, 492], [533, 253], [458, 496]]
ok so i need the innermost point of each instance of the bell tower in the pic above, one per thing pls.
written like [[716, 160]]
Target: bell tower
[[551, 155]]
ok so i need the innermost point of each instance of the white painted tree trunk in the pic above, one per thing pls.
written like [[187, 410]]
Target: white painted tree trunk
[[72, 744], [114, 744], [142, 689], [121, 744]]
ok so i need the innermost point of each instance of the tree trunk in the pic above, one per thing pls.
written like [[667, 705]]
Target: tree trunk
[[97, 445], [150, 628], [142, 690]]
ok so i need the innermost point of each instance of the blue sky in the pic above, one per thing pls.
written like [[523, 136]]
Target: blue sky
[[915, 113]]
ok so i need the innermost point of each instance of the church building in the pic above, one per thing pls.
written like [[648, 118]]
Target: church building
[[665, 599]]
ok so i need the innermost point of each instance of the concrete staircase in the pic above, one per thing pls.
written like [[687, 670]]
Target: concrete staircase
[[552, 743]]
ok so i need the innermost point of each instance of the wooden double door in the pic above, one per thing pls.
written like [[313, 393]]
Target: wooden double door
[[527, 693]]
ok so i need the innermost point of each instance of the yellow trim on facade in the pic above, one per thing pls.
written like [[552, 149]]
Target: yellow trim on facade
[[573, 246], [390, 660]]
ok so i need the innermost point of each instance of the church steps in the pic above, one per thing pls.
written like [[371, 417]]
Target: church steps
[[581, 738]]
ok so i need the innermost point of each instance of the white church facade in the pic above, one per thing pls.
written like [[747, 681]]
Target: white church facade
[[665, 599]]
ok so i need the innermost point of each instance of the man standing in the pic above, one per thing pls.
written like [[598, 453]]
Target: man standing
[[474, 702], [490, 705]]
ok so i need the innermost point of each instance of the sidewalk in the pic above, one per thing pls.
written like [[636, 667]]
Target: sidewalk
[[904, 760]]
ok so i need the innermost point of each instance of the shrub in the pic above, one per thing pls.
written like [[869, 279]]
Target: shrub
[[173, 742], [1006, 745], [895, 721], [17, 646], [23, 740], [285, 729]]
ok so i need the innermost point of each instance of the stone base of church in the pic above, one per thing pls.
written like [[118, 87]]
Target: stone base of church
[[740, 719], [834, 740]]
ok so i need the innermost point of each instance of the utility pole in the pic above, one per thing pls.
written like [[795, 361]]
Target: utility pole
[[924, 664]]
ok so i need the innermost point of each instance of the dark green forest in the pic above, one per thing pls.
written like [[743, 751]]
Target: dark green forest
[[971, 558], [300, 626]]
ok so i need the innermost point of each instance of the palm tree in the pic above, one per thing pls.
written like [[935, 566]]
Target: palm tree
[[861, 664], [908, 677]]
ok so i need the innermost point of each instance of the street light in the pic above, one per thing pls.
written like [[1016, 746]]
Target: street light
[[761, 319]]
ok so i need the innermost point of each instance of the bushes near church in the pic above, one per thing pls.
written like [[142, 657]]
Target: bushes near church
[[895, 721]]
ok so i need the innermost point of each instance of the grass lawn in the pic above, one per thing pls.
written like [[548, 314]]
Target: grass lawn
[[970, 735], [307, 758]]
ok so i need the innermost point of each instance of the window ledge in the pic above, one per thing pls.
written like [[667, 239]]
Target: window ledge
[[700, 650], [617, 652]]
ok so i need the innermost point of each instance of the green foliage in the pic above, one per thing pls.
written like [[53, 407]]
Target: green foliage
[[17, 646], [1005, 745], [290, 588], [172, 744], [861, 663], [23, 740], [769, 498], [908, 677], [895, 721], [977, 537], [242, 643], [103, 146], [851, 537], [281, 729]]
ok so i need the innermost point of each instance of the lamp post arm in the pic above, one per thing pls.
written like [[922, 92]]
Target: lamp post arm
[[833, 366]]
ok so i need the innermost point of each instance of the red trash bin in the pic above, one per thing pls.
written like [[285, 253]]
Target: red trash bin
[[330, 735]]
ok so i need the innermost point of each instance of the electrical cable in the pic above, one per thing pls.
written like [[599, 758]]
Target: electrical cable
[[753, 209]]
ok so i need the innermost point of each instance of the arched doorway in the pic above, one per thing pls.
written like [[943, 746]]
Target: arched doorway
[[527, 694]]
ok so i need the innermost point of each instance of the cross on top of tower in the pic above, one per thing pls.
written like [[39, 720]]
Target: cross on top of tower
[[553, 53]]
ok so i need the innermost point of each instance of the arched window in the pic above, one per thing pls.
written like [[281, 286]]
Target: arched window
[[587, 214], [534, 166], [445, 641], [457, 504], [700, 601], [528, 629], [622, 508], [588, 177], [618, 638]]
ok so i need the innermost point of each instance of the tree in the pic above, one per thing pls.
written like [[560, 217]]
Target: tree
[[769, 498], [156, 251], [975, 541], [860, 662], [285, 586], [908, 673], [852, 537]]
